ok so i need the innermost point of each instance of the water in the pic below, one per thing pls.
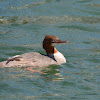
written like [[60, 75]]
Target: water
[[24, 24]]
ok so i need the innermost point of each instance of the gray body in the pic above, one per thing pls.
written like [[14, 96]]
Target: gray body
[[33, 59]]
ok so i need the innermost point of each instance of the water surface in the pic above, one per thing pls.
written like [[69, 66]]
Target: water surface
[[24, 24]]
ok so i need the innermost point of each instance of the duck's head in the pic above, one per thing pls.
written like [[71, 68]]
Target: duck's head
[[48, 42]]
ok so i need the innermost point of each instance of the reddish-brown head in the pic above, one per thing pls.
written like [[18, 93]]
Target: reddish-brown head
[[48, 43]]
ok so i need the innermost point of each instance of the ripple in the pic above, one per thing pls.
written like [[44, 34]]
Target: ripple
[[84, 1], [47, 19], [27, 6], [94, 60], [80, 27], [8, 20], [30, 5], [94, 5]]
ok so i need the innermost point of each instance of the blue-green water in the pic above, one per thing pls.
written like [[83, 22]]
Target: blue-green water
[[24, 24]]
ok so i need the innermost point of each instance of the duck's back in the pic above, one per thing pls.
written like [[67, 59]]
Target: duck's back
[[38, 59], [31, 59]]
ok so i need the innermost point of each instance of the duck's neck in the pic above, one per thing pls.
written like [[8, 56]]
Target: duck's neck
[[50, 49], [51, 53], [54, 54]]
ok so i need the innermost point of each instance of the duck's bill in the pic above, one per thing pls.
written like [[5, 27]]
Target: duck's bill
[[60, 41]]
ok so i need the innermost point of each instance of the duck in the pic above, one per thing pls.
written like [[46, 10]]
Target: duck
[[35, 59]]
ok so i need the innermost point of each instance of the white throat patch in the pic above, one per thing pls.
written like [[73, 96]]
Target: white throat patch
[[58, 57]]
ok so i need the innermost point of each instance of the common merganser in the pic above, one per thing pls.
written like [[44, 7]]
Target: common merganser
[[34, 59]]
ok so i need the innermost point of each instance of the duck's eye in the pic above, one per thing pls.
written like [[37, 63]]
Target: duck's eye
[[51, 40]]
